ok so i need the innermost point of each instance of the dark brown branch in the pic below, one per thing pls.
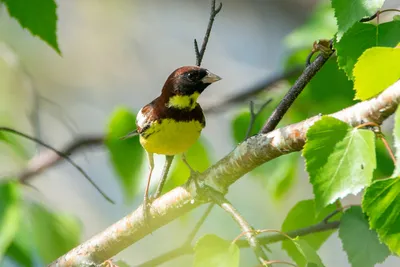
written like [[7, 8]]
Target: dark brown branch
[[213, 14], [295, 91], [246, 228], [248, 92], [49, 158]]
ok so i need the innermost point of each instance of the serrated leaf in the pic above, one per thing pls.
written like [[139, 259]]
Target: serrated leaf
[[198, 158], [361, 37], [53, 233], [213, 251], [303, 214], [340, 159], [376, 70], [308, 255], [349, 12], [381, 203], [38, 16], [10, 214], [126, 155], [361, 244], [321, 25], [279, 174]]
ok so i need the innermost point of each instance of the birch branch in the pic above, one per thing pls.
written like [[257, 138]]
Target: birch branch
[[246, 156]]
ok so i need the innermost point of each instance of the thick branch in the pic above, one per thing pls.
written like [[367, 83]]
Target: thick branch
[[245, 157]]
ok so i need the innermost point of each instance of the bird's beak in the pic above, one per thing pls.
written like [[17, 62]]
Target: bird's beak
[[210, 78]]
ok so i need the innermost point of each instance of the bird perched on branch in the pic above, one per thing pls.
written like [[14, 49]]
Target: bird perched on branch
[[172, 123]]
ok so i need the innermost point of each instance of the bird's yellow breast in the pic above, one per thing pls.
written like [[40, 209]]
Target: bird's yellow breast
[[170, 137]]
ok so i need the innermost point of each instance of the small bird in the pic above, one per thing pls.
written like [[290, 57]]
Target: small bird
[[172, 123]]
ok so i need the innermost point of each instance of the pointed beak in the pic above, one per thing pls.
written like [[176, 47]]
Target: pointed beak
[[210, 78]]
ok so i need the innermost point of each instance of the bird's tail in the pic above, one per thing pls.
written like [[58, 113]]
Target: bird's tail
[[129, 135]]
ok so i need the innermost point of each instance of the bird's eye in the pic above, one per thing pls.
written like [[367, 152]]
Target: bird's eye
[[191, 76]]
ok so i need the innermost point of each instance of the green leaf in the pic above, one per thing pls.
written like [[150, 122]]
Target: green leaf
[[381, 203], [349, 12], [38, 16], [361, 37], [212, 251], [339, 159], [384, 163], [370, 80], [10, 214], [361, 244], [16, 145], [321, 25], [53, 233], [328, 92], [396, 17], [303, 214], [308, 256], [279, 174], [126, 155], [198, 159]]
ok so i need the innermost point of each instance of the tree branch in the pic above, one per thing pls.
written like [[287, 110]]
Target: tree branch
[[245, 157], [248, 231], [298, 87]]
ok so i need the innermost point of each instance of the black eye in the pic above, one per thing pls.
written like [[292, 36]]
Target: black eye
[[192, 76]]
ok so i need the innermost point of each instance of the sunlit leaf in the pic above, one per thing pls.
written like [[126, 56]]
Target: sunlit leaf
[[126, 155], [349, 12], [212, 251], [361, 244], [396, 135], [10, 214], [339, 159], [303, 214], [308, 256], [361, 37], [38, 16], [381, 203], [376, 70]]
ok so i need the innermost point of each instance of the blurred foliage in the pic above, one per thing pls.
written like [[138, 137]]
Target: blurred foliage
[[304, 214], [307, 255], [213, 251], [126, 155], [37, 16], [361, 244]]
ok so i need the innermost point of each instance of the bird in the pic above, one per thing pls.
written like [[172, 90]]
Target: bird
[[171, 123]]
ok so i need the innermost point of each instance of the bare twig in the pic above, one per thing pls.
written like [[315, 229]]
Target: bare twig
[[56, 155], [213, 14], [295, 91], [197, 227], [366, 19], [253, 115], [251, 236], [244, 158]]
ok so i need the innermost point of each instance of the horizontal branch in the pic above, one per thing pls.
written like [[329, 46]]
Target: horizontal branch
[[246, 156]]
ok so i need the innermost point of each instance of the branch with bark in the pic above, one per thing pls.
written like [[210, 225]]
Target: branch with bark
[[246, 156]]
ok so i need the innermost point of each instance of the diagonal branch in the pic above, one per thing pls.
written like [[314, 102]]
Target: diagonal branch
[[245, 157]]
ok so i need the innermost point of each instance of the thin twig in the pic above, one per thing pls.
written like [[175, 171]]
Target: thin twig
[[295, 91], [280, 262], [27, 173], [213, 14], [254, 115], [221, 201], [367, 19], [203, 218]]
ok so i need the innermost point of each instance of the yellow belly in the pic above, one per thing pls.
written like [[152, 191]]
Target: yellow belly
[[170, 137]]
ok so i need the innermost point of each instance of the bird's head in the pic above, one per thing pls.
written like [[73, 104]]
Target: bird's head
[[185, 84]]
